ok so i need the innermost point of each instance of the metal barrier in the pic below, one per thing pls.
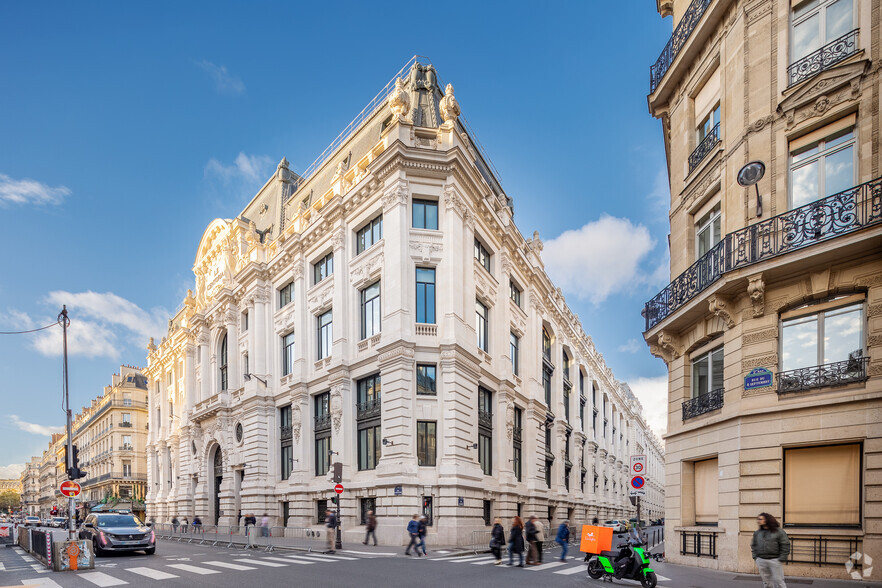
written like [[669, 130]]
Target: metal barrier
[[299, 538]]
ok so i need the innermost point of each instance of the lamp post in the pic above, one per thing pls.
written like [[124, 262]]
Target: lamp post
[[71, 502]]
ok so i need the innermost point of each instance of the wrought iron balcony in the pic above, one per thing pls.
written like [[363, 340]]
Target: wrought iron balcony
[[368, 409], [681, 34], [126, 424], [517, 434], [485, 419], [323, 422], [824, 58], [840, 214], [285, 432], [705, 403], [838, 373], [705, 147]]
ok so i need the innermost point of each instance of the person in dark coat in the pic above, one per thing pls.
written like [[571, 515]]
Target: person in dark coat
[[423, 529], [516, 541], [770, 547], [413, 531], [532, 538], [497, 540], [370, 528], [331, 524]]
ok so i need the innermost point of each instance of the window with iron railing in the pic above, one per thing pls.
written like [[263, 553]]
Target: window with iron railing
[[822, 33]]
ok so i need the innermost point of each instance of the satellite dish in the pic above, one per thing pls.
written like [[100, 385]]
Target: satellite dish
[[751, 173]]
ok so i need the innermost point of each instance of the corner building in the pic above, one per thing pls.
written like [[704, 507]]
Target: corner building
[[384, 312], [785, 276]]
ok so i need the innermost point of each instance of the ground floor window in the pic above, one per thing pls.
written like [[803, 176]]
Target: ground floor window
[[836, 501], [428, 510], [706, 478], [286, 512], [488, 511], [367, 505], [320, 507]]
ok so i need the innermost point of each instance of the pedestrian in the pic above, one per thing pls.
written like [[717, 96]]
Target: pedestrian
[[423, 529], [516, 541], [563, 537], [540, 538], [413, 531], [175, 523], [530, 532], [331, 524], [184, 525], [197, 524], [264, 525], [770, 547], [370, 525], [497, 540]]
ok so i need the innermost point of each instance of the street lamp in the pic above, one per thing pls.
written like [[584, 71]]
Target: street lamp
[[750, 175], [248, 377]]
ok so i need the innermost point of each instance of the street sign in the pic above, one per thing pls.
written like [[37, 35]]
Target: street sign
[[758, 378], [70, 489], [338, 488], [398, 491], [638, 465], [637, 486]]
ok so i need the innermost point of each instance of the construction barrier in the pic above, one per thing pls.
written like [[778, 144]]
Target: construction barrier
[[299, 538]]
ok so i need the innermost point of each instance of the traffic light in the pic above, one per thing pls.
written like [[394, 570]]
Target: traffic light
[[338, 472], [334, 500], [73, 471]]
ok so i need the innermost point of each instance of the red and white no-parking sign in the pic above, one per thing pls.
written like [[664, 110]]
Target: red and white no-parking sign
[[338, 488], [70, 489]]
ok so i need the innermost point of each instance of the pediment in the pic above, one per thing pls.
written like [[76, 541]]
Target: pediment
[[828, 88]]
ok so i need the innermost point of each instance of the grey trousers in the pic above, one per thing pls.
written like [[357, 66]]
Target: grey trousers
[[771, 572]]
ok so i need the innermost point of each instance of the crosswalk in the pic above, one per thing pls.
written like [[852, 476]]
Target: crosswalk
[[19, 560], [572, 566]]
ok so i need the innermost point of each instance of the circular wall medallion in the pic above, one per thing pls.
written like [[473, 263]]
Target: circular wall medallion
[[239, 432]]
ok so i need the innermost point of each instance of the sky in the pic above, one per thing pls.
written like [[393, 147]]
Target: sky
[[125, 128]]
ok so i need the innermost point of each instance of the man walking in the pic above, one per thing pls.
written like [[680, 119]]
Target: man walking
[[413, 531], [563, 537], [331, 524], [770, 547], [497, 540], [540, 538], [530, 532], [423, 529], [371, 526]]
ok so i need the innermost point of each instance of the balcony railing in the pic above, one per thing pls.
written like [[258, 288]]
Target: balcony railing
[[368, 409], [705, 403], [698, 543], [285, 432], [681, 34], [840, 214], [823, 550], [705, 147], [125, 424], [323, 422], [485, 419], [517, 434], [838, 373], [824, 58]]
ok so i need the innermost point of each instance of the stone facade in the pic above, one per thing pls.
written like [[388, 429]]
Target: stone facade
[[30, 487], [430, 282], [746, 269]]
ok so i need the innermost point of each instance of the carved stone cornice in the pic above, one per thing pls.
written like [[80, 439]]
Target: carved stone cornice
[[756, 289], [668, 347], [395, 195], [823, 92], [722, 307]]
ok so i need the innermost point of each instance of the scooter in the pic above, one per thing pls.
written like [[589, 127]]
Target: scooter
[[631, 562]]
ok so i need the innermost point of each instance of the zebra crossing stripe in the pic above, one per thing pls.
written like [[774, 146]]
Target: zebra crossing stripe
[[297, 560], [41, 582], [546, 566], [230, 566], [571, 571], [269, 564], [194, 569], [151, 573], [327, 557], [101, 579]]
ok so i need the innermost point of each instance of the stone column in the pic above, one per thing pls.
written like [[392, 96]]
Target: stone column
[[397, 419], [190, 390], [344, 327], [396, 261], [204, 366], [259, 326], [231, 321]]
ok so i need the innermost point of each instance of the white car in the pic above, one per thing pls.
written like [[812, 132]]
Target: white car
[[32, 521], [617, 526]]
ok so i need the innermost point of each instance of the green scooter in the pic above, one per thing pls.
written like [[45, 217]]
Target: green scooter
[[631, 562]]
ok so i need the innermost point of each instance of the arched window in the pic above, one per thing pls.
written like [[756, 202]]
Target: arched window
[[222, 364]]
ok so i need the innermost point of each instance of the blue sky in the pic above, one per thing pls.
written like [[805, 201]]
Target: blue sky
[[126, 128]]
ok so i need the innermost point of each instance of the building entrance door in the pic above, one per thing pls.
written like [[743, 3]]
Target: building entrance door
[[218, 478]]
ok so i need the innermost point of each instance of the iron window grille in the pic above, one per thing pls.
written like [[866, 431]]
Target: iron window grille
[[704, 147], [824, 58], [824, 550], [703, 404], [698, 543], [839, 373]]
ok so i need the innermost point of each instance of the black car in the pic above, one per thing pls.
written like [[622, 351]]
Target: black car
[[118, 532]]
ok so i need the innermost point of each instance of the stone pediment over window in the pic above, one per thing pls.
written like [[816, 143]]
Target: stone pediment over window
[[426, 246], [285, 319], [366, 268], [321, 296], [823, 93]]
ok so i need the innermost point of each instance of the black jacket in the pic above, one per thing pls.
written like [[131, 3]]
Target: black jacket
[[516, 540], [497, 535], [531, 531]]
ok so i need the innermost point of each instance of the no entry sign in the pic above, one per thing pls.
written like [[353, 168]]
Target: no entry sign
[[338, 488], [70, 489]]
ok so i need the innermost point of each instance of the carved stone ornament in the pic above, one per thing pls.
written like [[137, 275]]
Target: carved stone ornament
[[449, 107], [509, 419], [426, 251], [827, 90], [535, 244], [296, 419], [395, 195], [721, 307], [399, 101], [756, 289], [667, 348], [336, 408]]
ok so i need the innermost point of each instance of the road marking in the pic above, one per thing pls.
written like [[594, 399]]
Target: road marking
[[296, 559], [232, 566], [194, 569], [471, 559], [380, 552], [571, 571], [42, 582], [484, 562], [2, 567], [261, 562], [151, 573], [330, 557], [102, 579], [546, 566]]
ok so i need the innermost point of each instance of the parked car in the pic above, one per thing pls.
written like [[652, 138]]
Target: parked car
[[617, 525], [59, 522], [634, 521], [118, 532], [32, 521]]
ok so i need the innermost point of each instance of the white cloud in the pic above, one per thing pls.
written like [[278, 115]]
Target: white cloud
[[11, 471], [632, 346], [34, 428], [600, 259], [224, 81], [247, 168], [653, 395], [30, 192]]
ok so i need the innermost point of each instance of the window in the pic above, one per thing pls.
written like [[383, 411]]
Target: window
[[426, 379], [321, 506], [425, 214], [323, 268], [546, 345], [482, 255], [836, 501], [425, 294], [222, 364], [286, 453], [517, 436], [325, 334], [708, 231], [370, 234], [370, 311], [549, 457], [481, 325], [287, 456], [367, 505], [820, 167], [485, 430], [322, 433], [127, 469], [322, 459], [245, 321], [427, 510], [706, 494], [368, 447], [286, 294], [546, 385], [707, 372], [488, 510], [514, 292], [245, 362], [287, 354], [823, 337], [566, 400], [368, 417], [426, 443], [817, 23], [369, 393], [514, 343], [127, 419], [707, 125], [127, 441]]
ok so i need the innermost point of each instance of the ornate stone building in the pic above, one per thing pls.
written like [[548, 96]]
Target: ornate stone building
[[30, 487], [48, 476], [771, 327], [382, 310]]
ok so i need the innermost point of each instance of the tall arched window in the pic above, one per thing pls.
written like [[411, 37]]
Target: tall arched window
[[222, 364]]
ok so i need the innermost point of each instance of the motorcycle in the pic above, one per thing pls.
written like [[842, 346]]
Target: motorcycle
[[631, 562]]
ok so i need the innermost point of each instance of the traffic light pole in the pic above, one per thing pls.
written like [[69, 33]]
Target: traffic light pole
[[71, 502]]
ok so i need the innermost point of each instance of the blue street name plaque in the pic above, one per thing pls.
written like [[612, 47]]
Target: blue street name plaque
[[398, 491], [758, 378]]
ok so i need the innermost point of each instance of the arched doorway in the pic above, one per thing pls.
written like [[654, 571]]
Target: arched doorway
[[218, 477]]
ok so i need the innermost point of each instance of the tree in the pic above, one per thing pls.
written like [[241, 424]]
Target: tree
[[9, 500]]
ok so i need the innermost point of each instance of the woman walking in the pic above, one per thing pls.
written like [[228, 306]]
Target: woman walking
[[516, 541], [770, 547], [497, 540]]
